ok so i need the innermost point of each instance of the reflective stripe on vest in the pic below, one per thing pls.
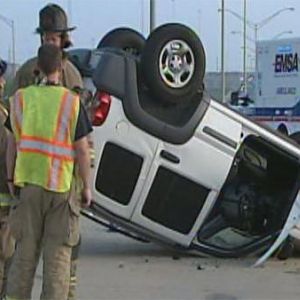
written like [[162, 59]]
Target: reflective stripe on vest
[[60, 136], [60, 152], [5, 199], [45, 141]]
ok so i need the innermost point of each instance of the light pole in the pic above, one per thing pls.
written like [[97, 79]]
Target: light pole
[[152, 14], [245, 47], [282, 33], [240, 32], [11, 24], [245, 23], [222, 49], [251, 64], [262, 23], [249, 48], [257, 26]]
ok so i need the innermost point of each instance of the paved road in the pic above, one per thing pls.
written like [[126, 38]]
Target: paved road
[[113, 267]]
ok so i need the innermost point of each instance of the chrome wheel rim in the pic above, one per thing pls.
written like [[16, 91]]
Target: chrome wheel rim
[[176, 64]]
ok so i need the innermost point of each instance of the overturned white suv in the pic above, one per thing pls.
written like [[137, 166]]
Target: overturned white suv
[[177, 167]]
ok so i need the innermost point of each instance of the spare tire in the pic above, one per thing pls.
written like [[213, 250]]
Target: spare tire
[[173, 63], [295, 137], [124, 38], [80, 58]]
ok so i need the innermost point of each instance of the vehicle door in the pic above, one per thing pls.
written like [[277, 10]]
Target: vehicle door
[[184, 180]]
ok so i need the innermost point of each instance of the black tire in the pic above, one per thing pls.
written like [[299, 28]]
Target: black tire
[[80, 58], [161, 83], [124, 38], [283, 129], [295, 137]]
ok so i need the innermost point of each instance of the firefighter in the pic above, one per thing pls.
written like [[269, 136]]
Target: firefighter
[[6, 241], [53, 29], [50, 128]]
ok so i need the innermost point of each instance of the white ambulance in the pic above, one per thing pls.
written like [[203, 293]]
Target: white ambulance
[[277, 100]]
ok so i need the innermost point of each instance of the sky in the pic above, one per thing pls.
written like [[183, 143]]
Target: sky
[[94, 18]]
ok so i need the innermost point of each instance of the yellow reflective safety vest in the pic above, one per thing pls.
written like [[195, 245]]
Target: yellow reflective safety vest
[[5, 200], [44, 120]]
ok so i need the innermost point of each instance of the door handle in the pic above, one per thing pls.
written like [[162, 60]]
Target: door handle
[[169, 156]]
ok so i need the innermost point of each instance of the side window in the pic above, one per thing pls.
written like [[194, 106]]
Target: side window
[[174, 201], [118, 173]]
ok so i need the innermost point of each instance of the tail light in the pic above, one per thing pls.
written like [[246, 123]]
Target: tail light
[[101, 109]]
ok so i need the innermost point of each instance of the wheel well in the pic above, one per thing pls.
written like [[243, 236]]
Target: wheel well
[[259, 190]]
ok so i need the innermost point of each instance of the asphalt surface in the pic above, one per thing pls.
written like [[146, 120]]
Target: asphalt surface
[[113, 267]]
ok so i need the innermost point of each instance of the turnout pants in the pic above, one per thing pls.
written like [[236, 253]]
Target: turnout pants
[[7, 246], [46, 222]]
